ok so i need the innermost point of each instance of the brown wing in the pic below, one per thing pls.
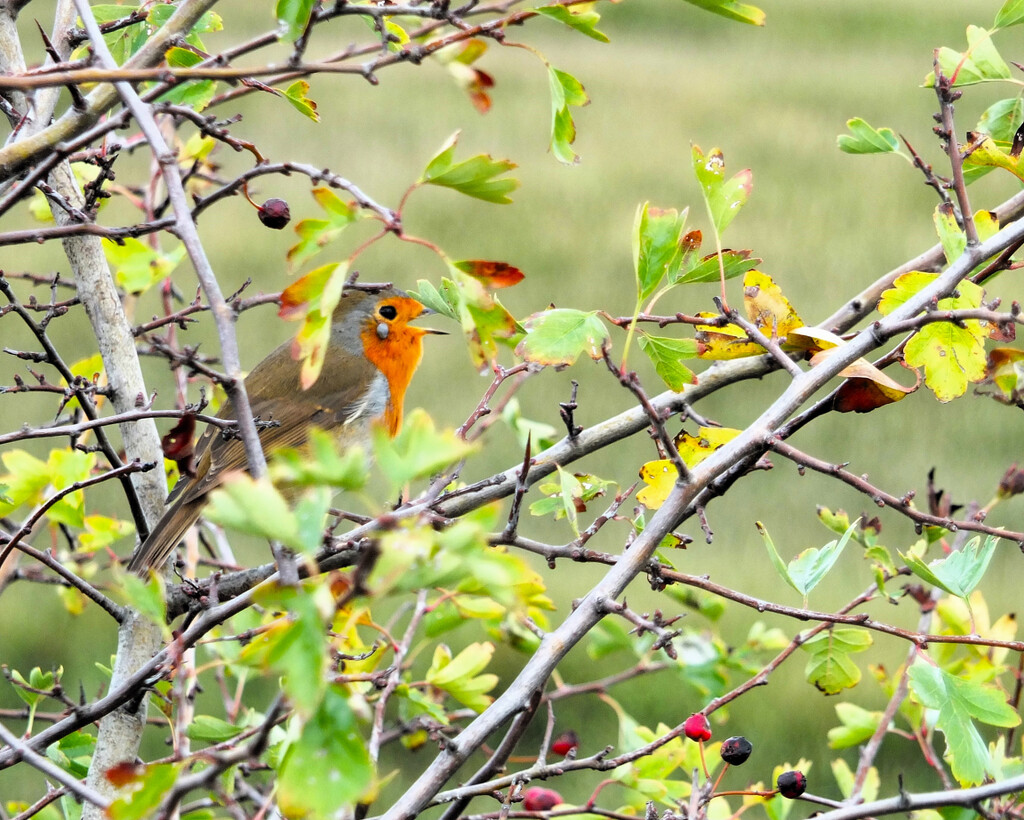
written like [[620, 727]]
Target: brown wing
[[275, 395]]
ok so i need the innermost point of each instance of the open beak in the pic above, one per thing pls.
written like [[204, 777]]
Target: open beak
[[429, 331]]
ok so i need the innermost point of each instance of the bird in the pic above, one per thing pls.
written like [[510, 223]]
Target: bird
[[369, 361]]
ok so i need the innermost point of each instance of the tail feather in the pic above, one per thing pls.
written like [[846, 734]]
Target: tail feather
[[169, 530]]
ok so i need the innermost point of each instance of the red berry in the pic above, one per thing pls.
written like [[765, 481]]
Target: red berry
[[565, 743], [697, 727], [735, 750], [791, 784], [274, 213], [538, 799]]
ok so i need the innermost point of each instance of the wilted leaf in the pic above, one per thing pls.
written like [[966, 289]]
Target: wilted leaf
[[298, 95], [660, 476], [865, 388], [494, 275], [767, 307], [694, 449], [987, 154]]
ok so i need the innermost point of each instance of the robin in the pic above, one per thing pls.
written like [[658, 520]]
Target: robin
[[368, 364]]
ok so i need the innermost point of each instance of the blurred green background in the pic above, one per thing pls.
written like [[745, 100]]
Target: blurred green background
[[825, 223]]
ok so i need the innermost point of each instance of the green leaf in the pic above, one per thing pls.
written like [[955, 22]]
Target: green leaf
[[314, 234], [1010, 14], [478, 176], [569, 496], [150, 790], [321, 462], [147, 597], [830, 668], [980, 63], [774, 557], [313, 299], [858, 725], [293, 15], [960, 571], [735, 263], [418, 451], [295, 645], [740, 12], [666, 353], [327, 770], [459, 676], [952, 355], [566, 91], [581, 17], [297, 95], [863, 139], [254, 507], [951, 235], [657, 250], [558, 336], [137, 266], [211, 729], [811, 565], [808, 568], [193, 93], [723, 197], [959, 703]]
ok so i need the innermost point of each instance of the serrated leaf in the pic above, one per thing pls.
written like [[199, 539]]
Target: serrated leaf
[[298, 95], [479, 176], [313, 299], [708, 269], [560, 335], [723, 197], [830, 669], [864, 139], [740, 12], [315, 234], [254, 507], [581, 17], [196, 94], [657, 250], [566, 91], [327, 770], [960, 571], [959, 702], [418, 451], [667, 355]]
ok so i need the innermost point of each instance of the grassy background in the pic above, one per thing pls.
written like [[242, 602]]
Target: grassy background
[[825, 223]]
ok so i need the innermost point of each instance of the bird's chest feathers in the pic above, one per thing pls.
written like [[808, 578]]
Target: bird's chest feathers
[[375, 403]]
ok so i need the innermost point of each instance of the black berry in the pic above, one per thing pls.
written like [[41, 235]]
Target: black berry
[[736, 750], [274, 213], [791, 784]]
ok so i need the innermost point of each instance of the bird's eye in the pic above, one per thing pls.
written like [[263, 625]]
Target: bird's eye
[[388, 312]]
